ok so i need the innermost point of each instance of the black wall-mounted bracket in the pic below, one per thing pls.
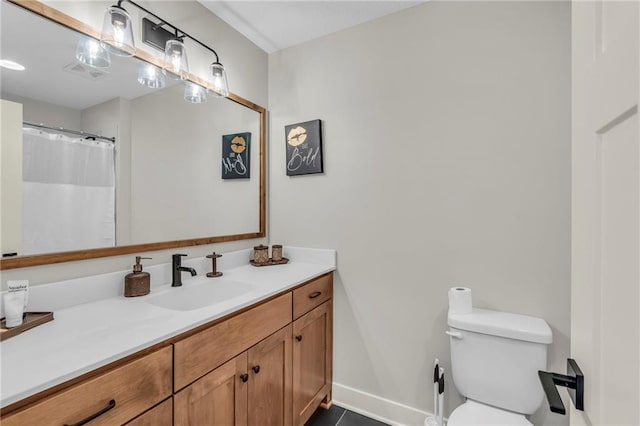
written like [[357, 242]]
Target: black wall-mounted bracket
[[154, 35], [573, 381]]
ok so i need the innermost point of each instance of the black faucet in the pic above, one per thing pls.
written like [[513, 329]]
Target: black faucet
[[177, 268]]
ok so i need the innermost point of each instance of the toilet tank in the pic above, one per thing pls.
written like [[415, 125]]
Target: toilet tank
[[495, 358]]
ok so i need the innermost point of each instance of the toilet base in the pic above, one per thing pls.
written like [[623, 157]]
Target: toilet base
[[473, 413]]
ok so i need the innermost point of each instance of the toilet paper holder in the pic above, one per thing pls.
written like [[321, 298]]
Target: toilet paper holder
[[573, 381]]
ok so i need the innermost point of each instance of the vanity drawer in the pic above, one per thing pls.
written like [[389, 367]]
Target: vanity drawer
[[121, 394], [313, 294], [198, 354]]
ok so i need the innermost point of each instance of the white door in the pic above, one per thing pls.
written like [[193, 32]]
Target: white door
[[605, 282]]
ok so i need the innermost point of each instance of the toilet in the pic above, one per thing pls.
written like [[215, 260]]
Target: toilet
[[495, 358]]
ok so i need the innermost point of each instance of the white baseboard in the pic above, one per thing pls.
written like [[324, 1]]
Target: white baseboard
[[376, 407]]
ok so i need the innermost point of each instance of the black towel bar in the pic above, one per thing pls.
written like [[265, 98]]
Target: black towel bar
[[573, 381]]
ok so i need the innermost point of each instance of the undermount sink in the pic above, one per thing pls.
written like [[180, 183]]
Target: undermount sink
[[196, 296]]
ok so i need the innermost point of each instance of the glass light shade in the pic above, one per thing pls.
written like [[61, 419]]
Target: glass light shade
[[220, 86], [175, 59], [117, 33], [194, 93], [90, 52], [151, 76]]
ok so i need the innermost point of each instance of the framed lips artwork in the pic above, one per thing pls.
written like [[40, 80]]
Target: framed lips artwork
[[304, 148], [235, 156]]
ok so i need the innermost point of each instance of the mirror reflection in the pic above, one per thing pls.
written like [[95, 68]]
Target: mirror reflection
[[116, 153]]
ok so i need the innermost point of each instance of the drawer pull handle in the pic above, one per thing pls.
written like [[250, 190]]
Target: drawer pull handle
[[112, 404], [244, 377], [299, 337], [256, 369], [315, 294]]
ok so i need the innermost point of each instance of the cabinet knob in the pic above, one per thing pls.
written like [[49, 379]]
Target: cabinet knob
[[244, 377], [299, 337], [256, 369]]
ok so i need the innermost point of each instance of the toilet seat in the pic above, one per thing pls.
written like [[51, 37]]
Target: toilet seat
[[474, 413]]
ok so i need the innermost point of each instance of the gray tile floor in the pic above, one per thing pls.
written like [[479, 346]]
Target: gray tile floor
[[338, 416]]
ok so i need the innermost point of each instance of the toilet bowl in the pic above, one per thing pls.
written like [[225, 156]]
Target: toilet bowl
[[473, 413], [495, 358]]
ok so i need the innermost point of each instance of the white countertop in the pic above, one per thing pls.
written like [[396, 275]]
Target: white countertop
[[89, 335]]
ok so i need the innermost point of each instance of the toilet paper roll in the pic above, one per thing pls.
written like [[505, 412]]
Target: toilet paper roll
[[460, 300]]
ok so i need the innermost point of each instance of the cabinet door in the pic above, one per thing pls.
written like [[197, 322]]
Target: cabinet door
[[270, 380], [219, 398], [312, 361]]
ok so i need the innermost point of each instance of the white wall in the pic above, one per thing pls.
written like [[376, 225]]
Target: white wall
[[10, 177], [247, 69], [177, 190], [40, 112], [102, 119], [447, 162]]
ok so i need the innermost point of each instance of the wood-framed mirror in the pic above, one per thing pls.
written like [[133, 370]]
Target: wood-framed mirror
[[167, 187]]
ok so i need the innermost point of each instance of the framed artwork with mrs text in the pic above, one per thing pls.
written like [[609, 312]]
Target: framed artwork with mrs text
[[235, 156]]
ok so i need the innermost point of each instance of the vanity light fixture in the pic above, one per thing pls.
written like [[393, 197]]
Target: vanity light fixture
[[220, 87], [151, 76], [175, 59], [194, 93], [118, 35], [92, 53]]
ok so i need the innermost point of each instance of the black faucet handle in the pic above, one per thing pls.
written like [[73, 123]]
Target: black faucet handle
[[176, 258]]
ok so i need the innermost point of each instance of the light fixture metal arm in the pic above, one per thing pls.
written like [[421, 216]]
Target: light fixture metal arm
[[179, 33]]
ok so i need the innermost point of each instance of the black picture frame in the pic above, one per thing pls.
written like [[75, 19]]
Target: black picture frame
[[236, 149], [304, 148]]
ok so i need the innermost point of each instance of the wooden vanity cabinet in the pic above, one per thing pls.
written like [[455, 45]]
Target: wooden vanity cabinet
[[218, 398], [114, 397], [270, 381], [312, 294], [279, 381], [312, 361], [312, 347], [253, 389], [200, 353], [267, 365], [160, 415]]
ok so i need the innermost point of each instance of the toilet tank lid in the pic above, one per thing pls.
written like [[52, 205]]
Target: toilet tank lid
[[503, 324]]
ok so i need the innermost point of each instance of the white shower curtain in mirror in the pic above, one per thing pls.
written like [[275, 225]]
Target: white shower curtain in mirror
[[68, 193]]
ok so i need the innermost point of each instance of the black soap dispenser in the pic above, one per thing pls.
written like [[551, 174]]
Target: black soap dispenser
[[137, 283]]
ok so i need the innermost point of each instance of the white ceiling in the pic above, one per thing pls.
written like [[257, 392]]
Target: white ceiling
[[272, 25], [275, 25], [45, 77]]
